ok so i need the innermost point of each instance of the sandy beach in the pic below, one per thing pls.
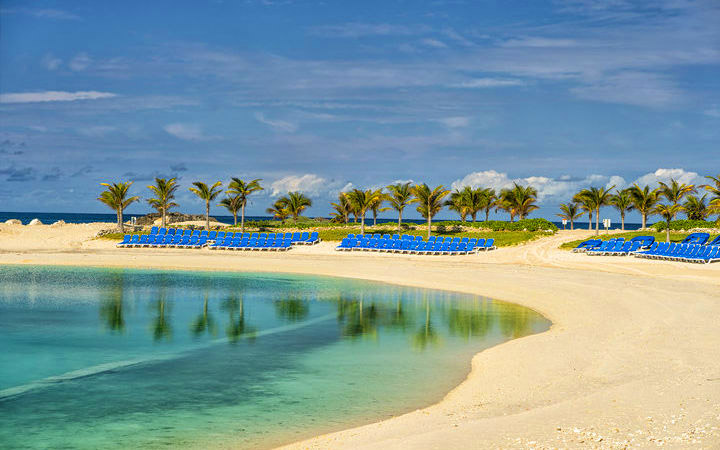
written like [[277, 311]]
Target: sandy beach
[[632, 359]]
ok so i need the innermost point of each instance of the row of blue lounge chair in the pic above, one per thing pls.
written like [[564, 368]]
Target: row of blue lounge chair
[[197, 239], [435, 245], [694, 248]]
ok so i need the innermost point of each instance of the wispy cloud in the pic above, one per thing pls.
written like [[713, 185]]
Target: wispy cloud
[[539, 42], [479, 83], [280, 125], [455, 122], [80, 62], [53, 96], [356, 30], [47, 13], [186, 131], [434, 43]]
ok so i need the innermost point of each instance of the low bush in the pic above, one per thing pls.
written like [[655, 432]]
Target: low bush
[[502, 225], [678, 225]]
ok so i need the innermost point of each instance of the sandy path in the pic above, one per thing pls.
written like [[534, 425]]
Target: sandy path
[[632, 359]]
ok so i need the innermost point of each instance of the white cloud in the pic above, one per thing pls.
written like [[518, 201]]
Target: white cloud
[[488, 83], [46, 13], [185, 131], [455, 122], [280, 125], [665, 175], [50, 62], [634, 88], [712, 112], [434, 43], [80, 62], [96, 131], [539, 42], [309, 184], [53, 96], [549, 189], [355, 30]]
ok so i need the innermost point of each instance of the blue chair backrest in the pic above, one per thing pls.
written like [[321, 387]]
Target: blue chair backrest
[[696, 238], [296, 236], [162, 231], [490, 242], [314, 236], [395, 236], [418, 238], [456, 240], [204, 234], [196, 233], [464, 240], [305, 236], [143, 238], [351, 236], [480, 242], [126, 239], [154, 230], [262, 236], [187, 233], [212, 235], [135, 238], [255, 236], [472, 241]]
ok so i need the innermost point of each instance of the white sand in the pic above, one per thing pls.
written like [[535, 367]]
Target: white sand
[[632, 359]]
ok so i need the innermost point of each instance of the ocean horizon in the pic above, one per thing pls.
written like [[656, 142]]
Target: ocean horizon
[[49, 218]]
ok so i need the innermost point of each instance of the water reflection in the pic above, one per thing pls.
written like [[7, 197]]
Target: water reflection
[[237, 328], [111, 305], [424, 316]]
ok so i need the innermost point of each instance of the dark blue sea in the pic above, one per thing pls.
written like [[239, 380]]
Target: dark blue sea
[[48, 218]]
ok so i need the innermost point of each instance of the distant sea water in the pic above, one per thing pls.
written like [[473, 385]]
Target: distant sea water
[[48, 218]]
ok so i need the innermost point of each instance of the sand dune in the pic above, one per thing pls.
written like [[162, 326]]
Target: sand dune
[[632, 359]]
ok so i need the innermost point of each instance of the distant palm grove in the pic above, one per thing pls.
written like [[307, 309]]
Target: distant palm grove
[[667, 200]]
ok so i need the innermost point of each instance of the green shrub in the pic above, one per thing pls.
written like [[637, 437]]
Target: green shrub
[[677, 225], [502, 225]]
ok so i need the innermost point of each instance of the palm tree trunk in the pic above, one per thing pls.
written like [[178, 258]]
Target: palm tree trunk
[[667, 231], [120, 220], [622, 221], [374, 218], [597, 221], [429, 226], [589, 220], [207, 215], [163, 217], [235, 218], [572, 227], [487, 214], [399, 218], [644, 219], [242, 218], [362, 224]]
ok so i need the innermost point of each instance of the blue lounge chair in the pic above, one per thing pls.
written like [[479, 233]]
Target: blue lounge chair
[[171, 231], [587, 245], [124, 242], [314, 238], [154, 230], [489, 245], [162, 231]]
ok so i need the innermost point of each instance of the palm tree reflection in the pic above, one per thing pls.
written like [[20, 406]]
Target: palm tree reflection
[[357, 318], [204, 323], [292, 309], [111, 307], [161, 327], [426, 335], [237, 328], [473, 320]]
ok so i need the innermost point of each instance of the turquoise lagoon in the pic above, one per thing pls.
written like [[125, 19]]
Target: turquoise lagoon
[[108, 358]]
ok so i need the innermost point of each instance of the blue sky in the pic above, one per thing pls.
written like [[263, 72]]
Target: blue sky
[[319, 96]]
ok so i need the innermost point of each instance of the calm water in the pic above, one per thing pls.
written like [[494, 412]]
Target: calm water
[[112, 358]]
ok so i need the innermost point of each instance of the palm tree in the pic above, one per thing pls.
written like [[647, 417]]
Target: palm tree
[[475, 201], [460, 201], [342, 208], [570, 211], [116, 198], [164, 191], [207, 193], [489, 201], [668, 212], [714, 190], [695, 207], [623, 202], [519, 200], [399, 197], [598, 197], [295, 203], [243, 190], [361, 201], [376, 206], [675, 191], [232, 204], [279, 210], [430, 202], [644, 199], [587, 204]]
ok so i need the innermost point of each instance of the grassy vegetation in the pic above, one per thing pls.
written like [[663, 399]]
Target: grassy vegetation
[[502, 238], [674, 237]]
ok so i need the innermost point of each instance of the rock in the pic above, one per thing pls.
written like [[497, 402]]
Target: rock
[[13, 222], [58, 223], [35, 222]]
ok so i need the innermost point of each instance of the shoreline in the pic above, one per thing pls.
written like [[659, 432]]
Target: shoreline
[[623, 330]]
